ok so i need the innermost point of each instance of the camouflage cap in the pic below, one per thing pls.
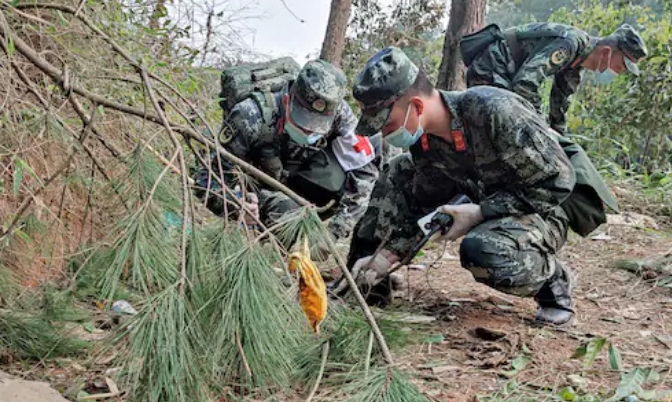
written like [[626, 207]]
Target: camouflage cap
[[386, 76], [632, 45], [316, 96]]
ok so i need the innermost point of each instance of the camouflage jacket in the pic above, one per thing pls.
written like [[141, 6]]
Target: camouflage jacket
[[248, 139], [503, 155], [543, 57]]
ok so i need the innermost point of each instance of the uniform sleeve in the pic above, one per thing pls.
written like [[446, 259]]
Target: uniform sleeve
[[241, 129], [542, 175], [546, 62], [237, 135], [358, 187], [564, 86]]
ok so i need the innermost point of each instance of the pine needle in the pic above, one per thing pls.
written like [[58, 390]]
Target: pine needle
[[257, 328], [144, 254], [164, 356], [143, 172], [303, 222], [8, 285], [59, 305], [35, 338], [348, 334], [383, 385]]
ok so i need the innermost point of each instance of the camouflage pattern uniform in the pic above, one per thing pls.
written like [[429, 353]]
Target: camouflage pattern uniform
[[319, 84], [521, 65], [504, 157]]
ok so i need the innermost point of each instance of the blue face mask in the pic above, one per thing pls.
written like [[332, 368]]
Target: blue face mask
[[299, 136], [607, 76], [401, 137]]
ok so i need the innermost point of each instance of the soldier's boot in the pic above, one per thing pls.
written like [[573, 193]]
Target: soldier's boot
[[555, 298]]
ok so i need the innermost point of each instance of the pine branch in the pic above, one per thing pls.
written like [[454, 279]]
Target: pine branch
[[60, 79], [183, 166]]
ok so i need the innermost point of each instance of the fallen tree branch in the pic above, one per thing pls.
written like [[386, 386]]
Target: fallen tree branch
[[183, 175], [59, 78], [323, 365], [86, 121]]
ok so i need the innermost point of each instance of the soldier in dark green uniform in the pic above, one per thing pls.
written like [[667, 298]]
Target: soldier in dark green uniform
[[521, 58], [489, 144], [307, 141]]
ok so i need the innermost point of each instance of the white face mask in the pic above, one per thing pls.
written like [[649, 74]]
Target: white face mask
[[299, 136]]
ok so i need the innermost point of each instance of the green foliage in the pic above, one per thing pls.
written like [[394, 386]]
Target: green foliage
[[257, 330], [349, 334], [415, 26], [383, 385], [631, 384], [507, 13], [166, 346], [629, 121], [34, 337]]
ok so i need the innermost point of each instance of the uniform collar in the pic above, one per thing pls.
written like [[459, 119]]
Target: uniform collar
[[450, 99], [587, 49]]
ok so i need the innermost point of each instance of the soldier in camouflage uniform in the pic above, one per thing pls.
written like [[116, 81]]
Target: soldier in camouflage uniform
[[312, 127], [484, 142], [521, 58]]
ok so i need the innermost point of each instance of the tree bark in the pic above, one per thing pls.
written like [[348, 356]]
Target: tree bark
[[334, 39], [466, 16]]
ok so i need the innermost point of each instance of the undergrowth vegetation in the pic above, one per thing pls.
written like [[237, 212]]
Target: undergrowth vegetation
[[101, 121]]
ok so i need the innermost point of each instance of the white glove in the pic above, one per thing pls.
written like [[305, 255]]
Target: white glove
[[465, 218], [371, 271]]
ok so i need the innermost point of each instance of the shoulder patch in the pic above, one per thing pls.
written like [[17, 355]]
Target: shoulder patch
[[353, 151], [560, 56]]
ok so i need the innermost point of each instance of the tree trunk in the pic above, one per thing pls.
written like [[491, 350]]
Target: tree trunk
[[466, 16], [334, 39]]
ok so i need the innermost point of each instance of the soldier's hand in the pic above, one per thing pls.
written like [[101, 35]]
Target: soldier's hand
[[465, 218], [372, 271]]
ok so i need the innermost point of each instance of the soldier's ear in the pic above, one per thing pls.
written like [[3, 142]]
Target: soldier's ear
[[418, 103]]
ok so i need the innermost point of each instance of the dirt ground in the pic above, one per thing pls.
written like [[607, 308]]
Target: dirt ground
[[486, 330], [477, 332]]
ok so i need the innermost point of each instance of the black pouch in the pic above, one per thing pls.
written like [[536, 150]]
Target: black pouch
[[474, 44], [320, 180]]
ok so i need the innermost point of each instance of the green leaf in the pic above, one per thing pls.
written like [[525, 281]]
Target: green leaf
[[614, 357], [14, 3], [520, 362], [434, 339], [567, 394], [10, 47], [89, 327], [23, 235], [589, 351], [18, 176], [631, 383]]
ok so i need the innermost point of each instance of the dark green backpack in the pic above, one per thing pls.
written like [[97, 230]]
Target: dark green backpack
[[258, 81], [586, 206]]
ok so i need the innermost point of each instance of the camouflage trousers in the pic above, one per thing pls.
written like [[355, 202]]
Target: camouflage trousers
[[515, 255]]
